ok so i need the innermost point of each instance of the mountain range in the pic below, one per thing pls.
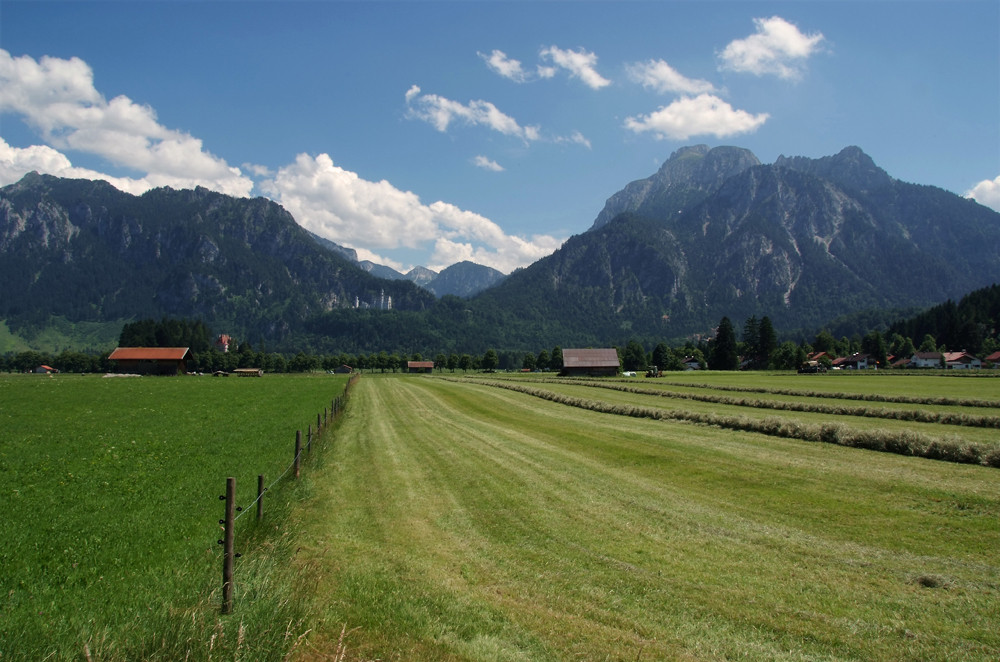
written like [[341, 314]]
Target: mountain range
[[714, 232], [462, 279]]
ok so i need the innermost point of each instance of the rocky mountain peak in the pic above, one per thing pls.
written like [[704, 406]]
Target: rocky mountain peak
[[690, 174], [850, 168]]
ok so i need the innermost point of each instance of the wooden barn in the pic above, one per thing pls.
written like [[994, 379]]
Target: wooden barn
[[420, 366], [590, 363], [151, 360]]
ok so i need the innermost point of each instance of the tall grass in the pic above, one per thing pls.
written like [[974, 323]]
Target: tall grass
[[110, 489]]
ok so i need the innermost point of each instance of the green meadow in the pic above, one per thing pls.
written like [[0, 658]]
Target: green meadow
[[461, 521], [110, 493], [452, 518]]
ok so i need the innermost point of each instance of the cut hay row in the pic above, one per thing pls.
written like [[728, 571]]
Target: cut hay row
[[901, 442], [912, 415], [840, 395]]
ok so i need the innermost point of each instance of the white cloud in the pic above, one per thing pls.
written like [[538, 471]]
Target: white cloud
[[487, 164], [16, 162], [337, 204], [661, 77], [505, 66], [580, 64], [702, 115], [987, 193], [575, 138], [57, 97], [777, 47], [441, 112]]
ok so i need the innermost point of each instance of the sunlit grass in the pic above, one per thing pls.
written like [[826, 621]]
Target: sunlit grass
[[110, 490], [462, 522]]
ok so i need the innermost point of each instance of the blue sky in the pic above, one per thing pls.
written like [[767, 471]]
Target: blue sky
[[434, 132]]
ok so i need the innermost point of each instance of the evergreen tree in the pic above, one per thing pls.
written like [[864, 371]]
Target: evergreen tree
[[768, 341], [873, 344], [723, 351], [751, 339]]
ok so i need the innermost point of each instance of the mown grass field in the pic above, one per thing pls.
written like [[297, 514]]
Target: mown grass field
[[110, 497], [454, 520]]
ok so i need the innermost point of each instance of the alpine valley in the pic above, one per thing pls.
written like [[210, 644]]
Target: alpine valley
[[713, 233]]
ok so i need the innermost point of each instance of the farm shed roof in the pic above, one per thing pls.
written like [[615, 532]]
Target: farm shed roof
[[420, 364], [590, 358], [150, 354]]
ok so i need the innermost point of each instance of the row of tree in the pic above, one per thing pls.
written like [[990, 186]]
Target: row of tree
[[758, 348]]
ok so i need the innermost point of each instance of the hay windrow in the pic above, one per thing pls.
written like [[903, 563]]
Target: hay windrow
[[900, 442]]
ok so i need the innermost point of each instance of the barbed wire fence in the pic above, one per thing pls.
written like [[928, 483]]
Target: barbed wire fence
[[234, 513]]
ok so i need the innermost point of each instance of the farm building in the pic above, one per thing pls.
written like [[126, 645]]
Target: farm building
[[45, 370], [249, 372], [151, 360], [420, 366], [855, 362], [590, 362], [961, 361], [927, 360]]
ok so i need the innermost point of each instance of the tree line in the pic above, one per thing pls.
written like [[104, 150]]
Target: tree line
[[756, 347]]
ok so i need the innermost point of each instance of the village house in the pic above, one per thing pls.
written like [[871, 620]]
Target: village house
[[993, 359], [691, 363], [926, 360], [420, 366], [855, 362], [961, 361], [590, 362], [151, 360]]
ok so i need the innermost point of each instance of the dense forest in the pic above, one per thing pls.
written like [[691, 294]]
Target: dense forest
[[970, 325]]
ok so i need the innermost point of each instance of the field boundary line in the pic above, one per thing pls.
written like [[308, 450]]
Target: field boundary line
[[323, 422]]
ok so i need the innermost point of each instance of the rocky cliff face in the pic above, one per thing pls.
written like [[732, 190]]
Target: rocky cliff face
[[715, 233], [88, 252], [690, 175]]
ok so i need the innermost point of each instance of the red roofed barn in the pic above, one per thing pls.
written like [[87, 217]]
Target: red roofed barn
[[151, 360]]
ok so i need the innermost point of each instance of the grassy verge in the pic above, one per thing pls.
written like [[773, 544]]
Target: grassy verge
[[110, 489], [462, 522]]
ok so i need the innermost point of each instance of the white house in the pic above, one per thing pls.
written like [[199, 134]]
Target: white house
[[926, 360]]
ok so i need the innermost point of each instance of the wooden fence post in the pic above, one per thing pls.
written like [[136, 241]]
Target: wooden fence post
[[227, 547], [309, 439], [298, 450], [260, 496], [317, 423]]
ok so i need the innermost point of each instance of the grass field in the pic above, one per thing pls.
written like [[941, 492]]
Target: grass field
[[448, 519], [110, 493], [459, 521]]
